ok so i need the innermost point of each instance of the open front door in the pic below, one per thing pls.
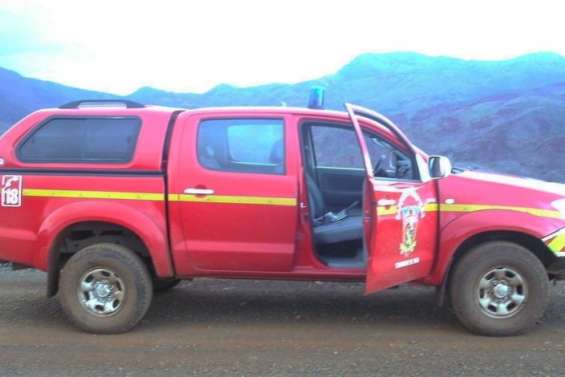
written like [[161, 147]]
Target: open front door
[[400, 216]]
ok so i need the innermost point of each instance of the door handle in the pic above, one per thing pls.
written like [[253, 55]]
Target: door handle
[[198, 191], [386, 202]]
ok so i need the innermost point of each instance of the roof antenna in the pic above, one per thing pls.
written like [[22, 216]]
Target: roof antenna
[[316, 100]]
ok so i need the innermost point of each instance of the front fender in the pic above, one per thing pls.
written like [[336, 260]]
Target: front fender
[[468, 225], [151, 231]]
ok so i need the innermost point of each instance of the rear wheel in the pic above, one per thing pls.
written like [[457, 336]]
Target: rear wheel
[[105, 288], [499, 289]]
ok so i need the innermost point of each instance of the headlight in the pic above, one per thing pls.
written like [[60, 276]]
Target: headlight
[[560, 206]]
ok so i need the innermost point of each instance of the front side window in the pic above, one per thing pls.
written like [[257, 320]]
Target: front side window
[[242, 145], [337, 147], [82, 140], [388, 161]]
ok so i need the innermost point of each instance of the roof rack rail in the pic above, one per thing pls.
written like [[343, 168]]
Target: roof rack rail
[[101, 103]]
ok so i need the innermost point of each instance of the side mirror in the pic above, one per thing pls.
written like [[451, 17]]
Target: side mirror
[[439, 166]]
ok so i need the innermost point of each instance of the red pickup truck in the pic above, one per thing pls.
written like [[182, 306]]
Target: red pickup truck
[[116, 200]]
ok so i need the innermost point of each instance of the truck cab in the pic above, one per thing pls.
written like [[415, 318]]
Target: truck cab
[[280, 192], [115, 200]]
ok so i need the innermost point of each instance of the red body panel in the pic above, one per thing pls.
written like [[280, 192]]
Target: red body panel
[[400, 237], [493, 190], [230, 236], [403, 244], [27, 233], [246, 240]]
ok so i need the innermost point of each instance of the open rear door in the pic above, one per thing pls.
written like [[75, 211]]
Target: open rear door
[[400, 217]]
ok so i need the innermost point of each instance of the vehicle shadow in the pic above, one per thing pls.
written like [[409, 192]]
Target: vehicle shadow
[[244, 302], [289, 303], [280, 304]]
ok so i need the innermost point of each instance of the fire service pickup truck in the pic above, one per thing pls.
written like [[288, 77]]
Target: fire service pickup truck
[[116, 200]]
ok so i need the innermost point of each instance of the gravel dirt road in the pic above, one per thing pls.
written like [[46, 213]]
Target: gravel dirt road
[[259, 328]]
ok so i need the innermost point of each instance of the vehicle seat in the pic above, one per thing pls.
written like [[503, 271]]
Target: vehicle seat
[[347, 229]]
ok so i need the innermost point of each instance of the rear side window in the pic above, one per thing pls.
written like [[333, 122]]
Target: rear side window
[[242, 145], [82, 140]]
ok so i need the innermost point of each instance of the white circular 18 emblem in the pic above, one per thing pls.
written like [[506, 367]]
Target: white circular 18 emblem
[[11, 194]]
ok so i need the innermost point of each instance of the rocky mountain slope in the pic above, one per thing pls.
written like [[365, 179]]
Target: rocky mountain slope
[[507, 116]]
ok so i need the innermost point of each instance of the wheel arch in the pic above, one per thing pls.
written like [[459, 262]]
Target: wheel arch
[[134, 228], [533, 244]]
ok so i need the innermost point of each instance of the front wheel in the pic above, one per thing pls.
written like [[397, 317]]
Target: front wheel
[[499, 289], [105, 288]]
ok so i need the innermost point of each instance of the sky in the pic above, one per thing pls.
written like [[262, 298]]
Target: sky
[[192, 46]]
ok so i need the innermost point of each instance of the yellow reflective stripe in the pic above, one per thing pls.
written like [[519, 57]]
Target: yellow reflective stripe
[[233, 199], [557, 244], [392, 210], [388, 210], [228, 199], [47, 193], [264, 200], [433, 207], [480, 207]]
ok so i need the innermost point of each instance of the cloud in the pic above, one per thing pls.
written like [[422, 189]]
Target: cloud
[[118, 46], [16, 34]]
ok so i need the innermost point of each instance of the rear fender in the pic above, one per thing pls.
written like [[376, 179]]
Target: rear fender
[[153, 235]]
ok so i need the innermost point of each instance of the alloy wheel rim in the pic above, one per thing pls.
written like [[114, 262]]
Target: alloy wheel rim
[[101, 292], [502, 292]]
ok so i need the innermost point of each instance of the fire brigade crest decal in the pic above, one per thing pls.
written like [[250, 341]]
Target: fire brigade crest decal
[[410, 211], [11, 194]]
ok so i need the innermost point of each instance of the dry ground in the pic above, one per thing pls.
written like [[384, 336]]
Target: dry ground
[[257, 328]]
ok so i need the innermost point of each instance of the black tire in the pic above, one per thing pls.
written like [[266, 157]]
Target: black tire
[[164, 285], [504, 256], [133, 275]]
